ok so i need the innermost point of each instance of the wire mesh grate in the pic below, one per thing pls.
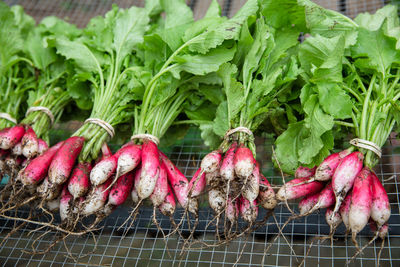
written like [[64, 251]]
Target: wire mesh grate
[[144, 244]]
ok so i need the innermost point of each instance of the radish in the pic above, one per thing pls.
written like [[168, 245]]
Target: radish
[[197, 184], [53, 205], [227, 169], [47, 190], [64, 160], [178, 181], [65, 204], [96, 199], [326, 198], [161, 188], [252, 187], [167, 208], [291, 190], [380, 210], [344, 176], [211, 162], [29, 143], [304, 172], [121, 189], [136, 178], [307, 203], [232, 209], [266, 196], [78, 183], [217, 200], [361, 203], [248, 210], [129, 158], [103, 170], [327, 168], [9, 137], [244, 162], [150, 169], [333, 220], [42, 146], [36, 170], [345, 210]]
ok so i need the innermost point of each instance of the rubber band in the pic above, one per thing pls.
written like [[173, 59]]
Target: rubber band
[[367, 145], [8, 117], [150, 137], [42, 109], [238, 129], [103, 124]]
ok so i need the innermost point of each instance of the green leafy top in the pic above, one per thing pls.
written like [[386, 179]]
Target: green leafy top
[[106, 57], [182, 56], [16, 74], [51, 72], [346, 84], [256, 81]]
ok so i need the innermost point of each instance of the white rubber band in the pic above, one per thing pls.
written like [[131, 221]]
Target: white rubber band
[[8, 117], [42, 109], [238, 129], [367, 145], [150, 137], [103, 124]]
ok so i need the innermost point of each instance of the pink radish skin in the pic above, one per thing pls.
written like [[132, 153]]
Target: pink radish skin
[[327, 168], [65, 204], [227, 169], [47, 190], [244, 162], [345, 210], [96, 199], [266, 196], [380, 210], [30, 144], [150, 169], [361, 202], [252, 187], [17, 149], [128, 159], [307, 203], [161, 188], [103, 170], [167, 208], [211, 162], [178, 181], [42, 146], [121, 189], [64, 160], [291, 190], [36, 170], [78, 183], [344, 176], [383, 231], [248, 210], [232, 210], [304, 172], [332, 219], [9, 137], [199, 183], [326, 198]]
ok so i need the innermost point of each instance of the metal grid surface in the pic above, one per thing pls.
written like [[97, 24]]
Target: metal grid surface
[[144, 245]]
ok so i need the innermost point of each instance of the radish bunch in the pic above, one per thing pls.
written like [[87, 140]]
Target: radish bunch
[[346, 88]]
